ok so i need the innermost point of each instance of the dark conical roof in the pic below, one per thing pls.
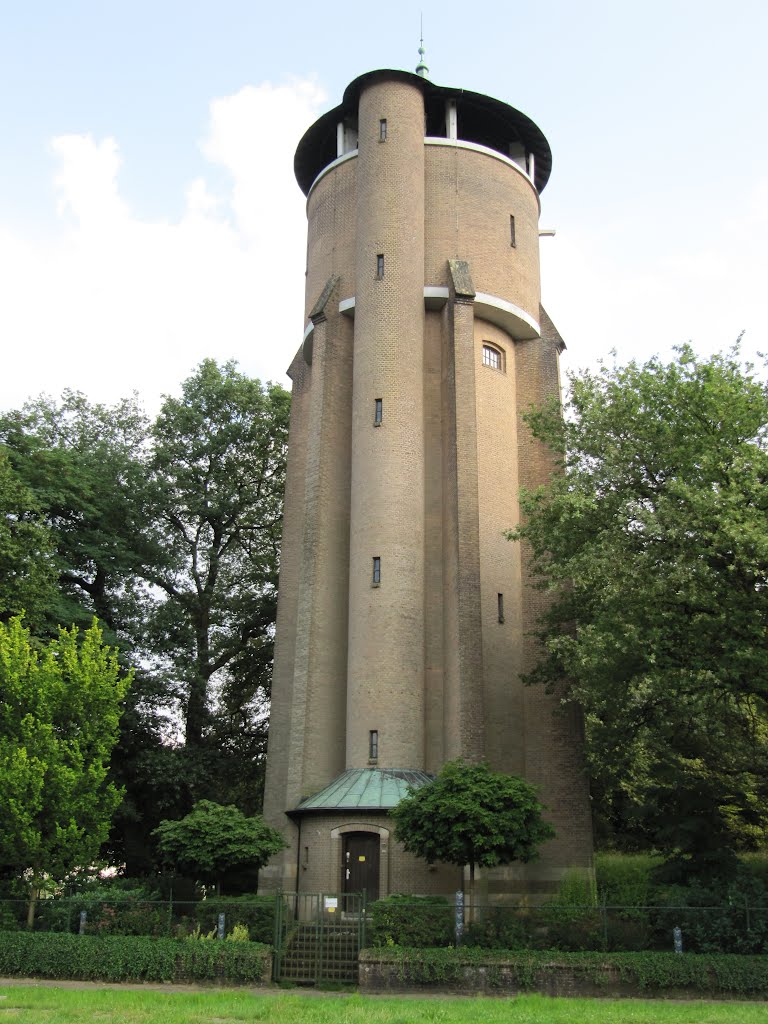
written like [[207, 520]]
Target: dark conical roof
[[482, 120]]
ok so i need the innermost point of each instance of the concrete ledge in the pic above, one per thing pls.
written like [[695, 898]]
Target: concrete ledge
[[495, 976]]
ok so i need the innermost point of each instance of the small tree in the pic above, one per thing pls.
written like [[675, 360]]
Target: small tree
[[472, 815], [59, 714], [213, 839]]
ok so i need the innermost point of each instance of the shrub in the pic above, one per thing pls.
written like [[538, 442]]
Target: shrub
[[502, 928], [130, 958], [10, 915], [626, 879], [411, 920], [572, 919], [256, 913], [111, 910], [730, 919]]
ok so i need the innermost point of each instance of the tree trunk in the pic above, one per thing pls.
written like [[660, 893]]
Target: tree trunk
[[34, 894]]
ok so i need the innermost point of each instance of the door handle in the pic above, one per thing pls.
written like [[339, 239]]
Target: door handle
[[347, 874]]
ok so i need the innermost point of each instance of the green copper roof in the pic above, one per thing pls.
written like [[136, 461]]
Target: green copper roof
[[365, 789]]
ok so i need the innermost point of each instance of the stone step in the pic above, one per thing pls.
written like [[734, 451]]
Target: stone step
[[327, 950]]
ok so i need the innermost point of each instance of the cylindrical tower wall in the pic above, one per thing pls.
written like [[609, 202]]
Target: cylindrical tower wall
[[471, 198], [496, 411], [386, 619], [331, 217]]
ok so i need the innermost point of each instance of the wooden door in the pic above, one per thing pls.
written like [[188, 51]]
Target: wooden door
[[360, 863]]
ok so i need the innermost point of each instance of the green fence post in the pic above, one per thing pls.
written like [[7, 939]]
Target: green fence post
[[277, 937]]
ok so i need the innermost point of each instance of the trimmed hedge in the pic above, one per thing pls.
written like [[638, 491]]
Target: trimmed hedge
[[702, 974], [131, 958], [410, 921]]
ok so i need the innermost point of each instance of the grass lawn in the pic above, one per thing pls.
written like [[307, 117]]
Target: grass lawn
[[121, 1006]]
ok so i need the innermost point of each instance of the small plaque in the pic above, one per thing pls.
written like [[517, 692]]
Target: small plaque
[[331, 902], [361, 858]]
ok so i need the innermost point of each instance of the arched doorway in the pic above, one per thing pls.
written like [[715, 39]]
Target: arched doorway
[[360, 863]]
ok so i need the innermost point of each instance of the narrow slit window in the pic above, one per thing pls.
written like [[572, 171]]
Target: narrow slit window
[[380, 265], [376, 580], [500, 601], [383, 130], [373, 745], [377, 412], [492, 357], [512, 238]]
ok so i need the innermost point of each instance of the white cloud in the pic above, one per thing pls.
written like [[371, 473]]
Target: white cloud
[[109, 303], [87, 181], [649, 285]]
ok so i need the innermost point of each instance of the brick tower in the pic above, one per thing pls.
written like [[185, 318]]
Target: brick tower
[[404, 617]]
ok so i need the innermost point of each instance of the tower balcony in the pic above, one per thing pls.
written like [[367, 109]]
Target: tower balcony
[[451, 117]]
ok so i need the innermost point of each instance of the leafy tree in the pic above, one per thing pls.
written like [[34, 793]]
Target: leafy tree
[[213, 840], [472, 815], [85, 465], [218, 468], [171, 536], [27, 574], [216, 476], [653, 545], [59, 714]]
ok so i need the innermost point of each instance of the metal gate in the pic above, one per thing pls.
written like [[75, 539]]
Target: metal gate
[[318, 936]]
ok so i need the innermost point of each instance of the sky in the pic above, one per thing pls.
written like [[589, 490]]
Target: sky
[[149, 216]]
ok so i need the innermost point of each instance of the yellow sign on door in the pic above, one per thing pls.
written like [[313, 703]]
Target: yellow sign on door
[[361, 858]]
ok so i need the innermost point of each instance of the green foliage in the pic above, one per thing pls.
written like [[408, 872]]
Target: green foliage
[[254, 913], [85, 466], [213, 839], [27, 572], [410, 921], [110, 910], [572, 920], [732, 917], [501, 928], [653, 547], [140, 911], [170, 534], [653, 972], [59, 714], [644, 905], [577, 889], [216, 472], [218, 468], [472, 815], [130, 958], [198, 935], [626, 879]]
